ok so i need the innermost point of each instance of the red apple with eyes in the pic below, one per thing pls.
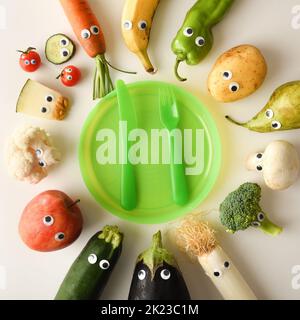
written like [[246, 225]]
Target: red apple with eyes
[[51, 221]]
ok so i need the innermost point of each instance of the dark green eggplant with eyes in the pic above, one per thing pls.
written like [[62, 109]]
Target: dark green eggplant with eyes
[[282, 112], [157, 276], [91, 271]]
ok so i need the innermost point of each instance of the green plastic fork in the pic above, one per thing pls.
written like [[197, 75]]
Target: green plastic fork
[[169, 117]]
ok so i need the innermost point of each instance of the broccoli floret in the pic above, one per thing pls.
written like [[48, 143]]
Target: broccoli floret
[[241, 209]]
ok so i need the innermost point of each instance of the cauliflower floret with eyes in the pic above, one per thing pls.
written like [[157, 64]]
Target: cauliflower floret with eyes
[[24, 162]]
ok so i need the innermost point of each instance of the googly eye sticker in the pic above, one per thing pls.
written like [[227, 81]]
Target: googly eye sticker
[[85, 34], [234, 87], [188, 32], [44, 110], [227, 75], [269, 114], [276, 125], [142, 25], [59, 236], [92, 258], [95, 30], [42, 164], [165, 274], [255, 224], [261, 217], [48, 221], [217, 273], [142, 275], [64, 42], [64, 52], [49, 98], [200, 41], [127, 25], [104, 264], [39, 152]]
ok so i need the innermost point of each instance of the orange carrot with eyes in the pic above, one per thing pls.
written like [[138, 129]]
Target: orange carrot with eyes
[[88, 32]]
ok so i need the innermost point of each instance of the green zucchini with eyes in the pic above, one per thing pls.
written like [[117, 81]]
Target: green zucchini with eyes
[[59, 49], [91, 271], [157, 276]]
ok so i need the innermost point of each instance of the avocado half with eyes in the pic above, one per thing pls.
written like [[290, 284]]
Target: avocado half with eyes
[[157, 276], [59, 49]]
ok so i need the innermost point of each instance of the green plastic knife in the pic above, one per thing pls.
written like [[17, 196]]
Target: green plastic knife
[[128, 117]]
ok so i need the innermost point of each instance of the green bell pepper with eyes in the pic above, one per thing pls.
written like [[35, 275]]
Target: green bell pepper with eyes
[[194, 40]]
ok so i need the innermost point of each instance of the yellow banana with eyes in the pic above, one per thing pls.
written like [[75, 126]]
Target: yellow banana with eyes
[[136, 27]]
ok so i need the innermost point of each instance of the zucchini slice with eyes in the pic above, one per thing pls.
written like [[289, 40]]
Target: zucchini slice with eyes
[[59, 49], [157, 276]]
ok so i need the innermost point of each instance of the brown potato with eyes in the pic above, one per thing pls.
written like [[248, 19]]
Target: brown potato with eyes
[[237, 73]]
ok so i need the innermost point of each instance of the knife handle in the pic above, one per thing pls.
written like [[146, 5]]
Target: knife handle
[[128, 187]]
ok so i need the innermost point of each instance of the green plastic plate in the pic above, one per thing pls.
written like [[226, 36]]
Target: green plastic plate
[[155, 202]]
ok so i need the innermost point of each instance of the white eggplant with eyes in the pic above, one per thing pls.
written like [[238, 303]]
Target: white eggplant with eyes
[[198, 240], [136, 27], [279, 164]]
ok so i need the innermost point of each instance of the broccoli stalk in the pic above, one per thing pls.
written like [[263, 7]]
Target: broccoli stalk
[[241, 209], [268, 227]]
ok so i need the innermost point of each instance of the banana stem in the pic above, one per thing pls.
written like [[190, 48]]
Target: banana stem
[[176, 71]]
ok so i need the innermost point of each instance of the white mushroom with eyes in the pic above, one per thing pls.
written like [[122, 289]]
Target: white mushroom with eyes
[[279, 164]]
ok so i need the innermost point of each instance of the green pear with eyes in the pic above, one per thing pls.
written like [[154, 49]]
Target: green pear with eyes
[[282, 112]]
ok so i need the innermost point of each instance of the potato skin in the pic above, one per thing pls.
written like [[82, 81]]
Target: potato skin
[[248, 67]]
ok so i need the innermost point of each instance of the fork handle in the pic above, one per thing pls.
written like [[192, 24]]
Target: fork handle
[[178, 178]]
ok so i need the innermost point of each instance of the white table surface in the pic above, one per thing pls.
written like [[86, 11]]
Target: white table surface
[[266, 262]]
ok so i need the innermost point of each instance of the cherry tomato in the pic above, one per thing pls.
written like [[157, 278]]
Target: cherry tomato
[[70, 76], [30, 60]]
